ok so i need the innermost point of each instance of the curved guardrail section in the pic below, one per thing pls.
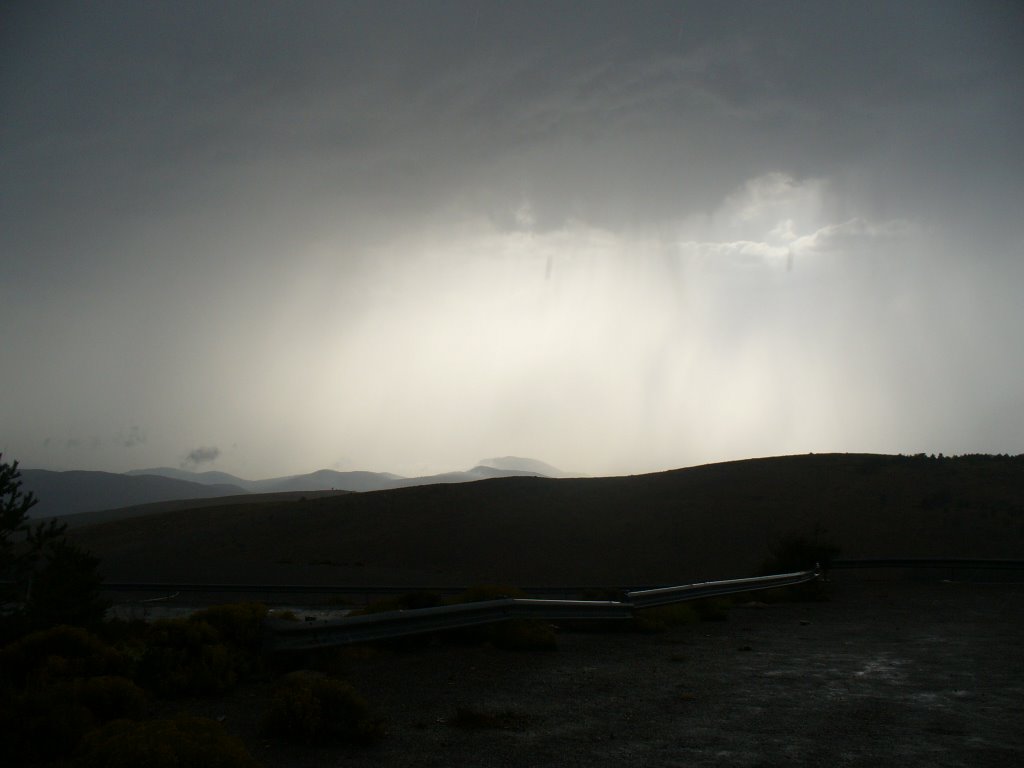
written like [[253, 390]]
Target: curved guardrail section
[[649, 598], [165, 591], [292, 636]]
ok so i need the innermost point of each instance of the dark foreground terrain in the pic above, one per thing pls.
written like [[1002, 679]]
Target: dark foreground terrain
[[885, 673]]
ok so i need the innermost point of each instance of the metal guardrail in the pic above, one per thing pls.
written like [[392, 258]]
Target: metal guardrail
[[376, 589], [335, 589], [649, 598], [292, 636]]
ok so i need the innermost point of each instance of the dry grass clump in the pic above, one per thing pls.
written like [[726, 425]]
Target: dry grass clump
[[57, 685], [61, 687], [186, 657], [58, 653], [48, 722], [184, 742], [310, 708], [206, 654], [407, 602], [239, 624]]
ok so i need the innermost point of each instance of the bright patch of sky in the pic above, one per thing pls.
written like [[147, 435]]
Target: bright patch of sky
[[405, 236]]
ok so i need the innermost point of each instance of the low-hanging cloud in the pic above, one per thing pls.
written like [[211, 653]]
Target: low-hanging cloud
[[199, 456], [135, 437]]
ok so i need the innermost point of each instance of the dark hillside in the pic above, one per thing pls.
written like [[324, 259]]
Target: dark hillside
[[68, 493], [712, 521], [79, 519]]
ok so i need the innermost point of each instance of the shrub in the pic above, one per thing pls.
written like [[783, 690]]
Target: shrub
[[185, 656], [44, 579], [48, 722], [44, 724], [66, 589], [184, 742], [240, 624], [58, 653], [61, 683], [407, 602], [206, 653], [20, 543], [311, 708], [109, 697]]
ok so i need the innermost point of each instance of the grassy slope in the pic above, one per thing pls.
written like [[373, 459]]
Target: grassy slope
[[712, 521]]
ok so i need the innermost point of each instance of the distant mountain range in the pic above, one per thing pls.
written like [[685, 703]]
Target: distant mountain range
[[72, 492], [65, 493], [527, 466], [324, 479]]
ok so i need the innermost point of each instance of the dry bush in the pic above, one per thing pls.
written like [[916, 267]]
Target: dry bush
[[184, 742], [311, 708], [185, 657], [239, 624], [407, 602], [48, 722], [58, 653], [207, 653]]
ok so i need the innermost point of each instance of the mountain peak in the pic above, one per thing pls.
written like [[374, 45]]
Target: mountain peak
[[526, 465]]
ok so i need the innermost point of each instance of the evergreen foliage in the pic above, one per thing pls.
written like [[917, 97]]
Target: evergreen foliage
[[44, 579]]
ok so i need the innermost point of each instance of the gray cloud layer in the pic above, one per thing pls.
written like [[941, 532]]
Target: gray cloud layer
[[616, 237]]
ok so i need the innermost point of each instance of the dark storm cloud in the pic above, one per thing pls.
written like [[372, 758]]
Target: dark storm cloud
[[640, 112]]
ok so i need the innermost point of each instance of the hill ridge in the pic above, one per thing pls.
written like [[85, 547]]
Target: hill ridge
[[712, 521]]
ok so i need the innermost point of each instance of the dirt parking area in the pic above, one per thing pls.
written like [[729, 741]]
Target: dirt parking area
[[885, 673]]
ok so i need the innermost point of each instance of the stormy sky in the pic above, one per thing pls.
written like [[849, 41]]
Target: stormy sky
[[269, 238]]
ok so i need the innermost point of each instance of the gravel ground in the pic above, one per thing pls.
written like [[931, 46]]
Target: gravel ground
[[885, 673]]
